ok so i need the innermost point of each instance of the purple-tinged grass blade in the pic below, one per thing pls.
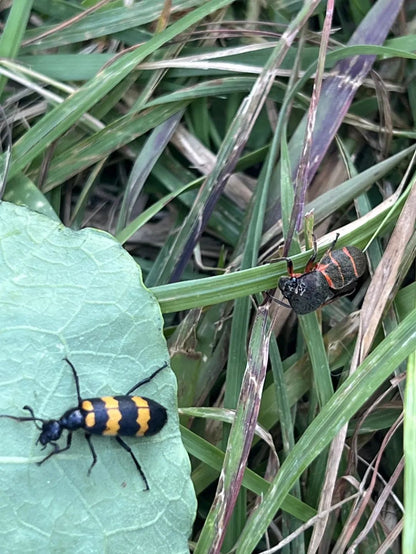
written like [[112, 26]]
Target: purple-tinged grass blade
[[240, 438], [339, 90]]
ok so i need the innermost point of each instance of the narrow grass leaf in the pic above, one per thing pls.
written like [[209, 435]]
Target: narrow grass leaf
[[336, 413]]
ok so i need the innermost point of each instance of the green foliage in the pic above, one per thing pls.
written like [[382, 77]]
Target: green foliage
[[182, 129]]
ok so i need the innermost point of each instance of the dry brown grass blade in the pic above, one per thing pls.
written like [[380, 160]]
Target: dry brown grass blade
[[357, 512], [377, 298], [382, 283], [380, 504], [66, 23], [201, 158], [374, 304]]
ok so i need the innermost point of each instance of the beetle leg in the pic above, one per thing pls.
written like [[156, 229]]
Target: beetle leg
[[330, 249], [289, 267], [129, 450], [271, 297], [57, 450], [94, 455], [147, 379], [310, 266]]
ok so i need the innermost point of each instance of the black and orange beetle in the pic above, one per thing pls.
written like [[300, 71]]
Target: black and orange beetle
[[335, 275], [110, 416]]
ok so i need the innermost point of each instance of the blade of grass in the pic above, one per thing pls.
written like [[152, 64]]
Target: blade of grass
[[409, 533], [240, 439], [214, 458], [235, 140], [99, 145], [149, 154], [220, 288], [59, 119], [343, 194], [237, 356], [147, 215], [13, 31], [105, 22], [336, 413]]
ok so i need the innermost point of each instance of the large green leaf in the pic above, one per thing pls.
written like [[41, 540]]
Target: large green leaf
[[80, 295]]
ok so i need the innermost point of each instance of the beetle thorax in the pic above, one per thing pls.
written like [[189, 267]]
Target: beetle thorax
[[72, 419]]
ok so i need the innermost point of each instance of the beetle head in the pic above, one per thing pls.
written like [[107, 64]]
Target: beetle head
[[305, 293], [51, 431]]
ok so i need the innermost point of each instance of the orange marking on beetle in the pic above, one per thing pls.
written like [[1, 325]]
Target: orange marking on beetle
[[114, 416], [347, 253], [143, 415], [90, 417], [323, 268]]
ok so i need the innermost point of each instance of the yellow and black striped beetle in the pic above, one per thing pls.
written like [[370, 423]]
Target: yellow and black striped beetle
[[110, 416]]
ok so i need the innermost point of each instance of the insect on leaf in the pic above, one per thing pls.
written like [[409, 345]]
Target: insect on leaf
[[78, 294]]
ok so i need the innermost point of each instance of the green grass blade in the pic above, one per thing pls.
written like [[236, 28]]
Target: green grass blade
[[59, 119], [336, 413], [13, 32]]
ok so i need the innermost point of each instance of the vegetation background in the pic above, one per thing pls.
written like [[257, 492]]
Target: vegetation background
[[205, 135]]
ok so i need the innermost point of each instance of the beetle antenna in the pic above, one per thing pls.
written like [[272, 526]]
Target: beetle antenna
[[334, 241], [271, 297], [76, 379], [31, 418]]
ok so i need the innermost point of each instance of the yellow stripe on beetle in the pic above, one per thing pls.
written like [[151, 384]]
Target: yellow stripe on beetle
[[90, 417], [114, 416], [143, 414]]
